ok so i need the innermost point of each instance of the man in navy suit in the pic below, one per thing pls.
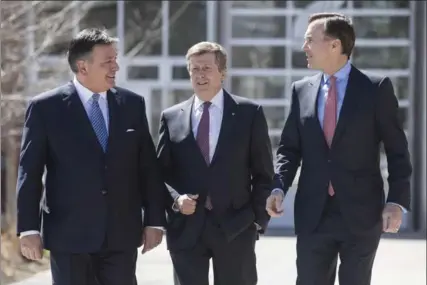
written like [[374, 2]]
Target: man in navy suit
[[101, 172], [337, 121]]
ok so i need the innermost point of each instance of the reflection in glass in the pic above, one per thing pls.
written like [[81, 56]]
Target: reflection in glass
[[260, 4], [383, 57], [187, 25], [180, 72], [382, 4], [403, 115], [299, 59], [258, 57], [156, 110], [143, 28], [319, 6], [179, 95], [381, 27], [401, 87], [143, 72], [258, 27], [258, 87], [275, 116], [103, 14]]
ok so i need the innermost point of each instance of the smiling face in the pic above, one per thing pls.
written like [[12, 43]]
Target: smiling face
[[205, 74], [320, 49], [99, 68]]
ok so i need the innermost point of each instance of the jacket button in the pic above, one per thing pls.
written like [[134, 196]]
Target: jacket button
[[104, 192]]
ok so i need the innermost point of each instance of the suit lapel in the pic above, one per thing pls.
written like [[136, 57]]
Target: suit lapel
[[349, 106], [79, 118], [186, 127], [227, 125], [311, 102]]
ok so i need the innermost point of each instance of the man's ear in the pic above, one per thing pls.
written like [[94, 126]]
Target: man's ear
[[81, 67]]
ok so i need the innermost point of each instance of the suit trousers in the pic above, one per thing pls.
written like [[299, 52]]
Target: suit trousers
[[100, 268], [233, 262], [318, 252]]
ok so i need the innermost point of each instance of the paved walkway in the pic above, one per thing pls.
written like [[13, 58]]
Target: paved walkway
[[399, 261]]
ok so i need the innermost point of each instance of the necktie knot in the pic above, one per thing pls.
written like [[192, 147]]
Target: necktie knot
[[332, 79], [95, 97], [206, 105]]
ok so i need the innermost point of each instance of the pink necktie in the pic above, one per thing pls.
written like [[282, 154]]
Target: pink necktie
[[330, 118]]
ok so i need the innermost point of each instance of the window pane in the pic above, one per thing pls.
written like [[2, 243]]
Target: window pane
[[180, 95], [275, 141], [299, 59], [384, 57], [260, 4], [180, 72], [401, 87], [381, 4], [258, 57], [156, 110], [102, 15], [143, 25], [53, 31], [258, 87], [258, 27], [187, 25], [403, 115], [275, 116], [381, 27], [143, 72], [319, 6]]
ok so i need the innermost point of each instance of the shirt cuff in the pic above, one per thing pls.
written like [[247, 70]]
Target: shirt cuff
[[27, 233], [159, 228], [404, 210], [278, 191]]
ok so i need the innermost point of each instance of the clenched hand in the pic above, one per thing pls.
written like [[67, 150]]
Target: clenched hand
[[32, 247], [274, 204], [187, 203], [392, 218], [151, 238]]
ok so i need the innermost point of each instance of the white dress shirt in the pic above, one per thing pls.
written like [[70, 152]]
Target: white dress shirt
[[215, 119]]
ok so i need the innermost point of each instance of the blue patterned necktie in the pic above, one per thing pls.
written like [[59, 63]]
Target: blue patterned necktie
[[98, 122]]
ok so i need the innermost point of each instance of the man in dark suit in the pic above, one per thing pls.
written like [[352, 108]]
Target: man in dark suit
[[337, 121], [216, 158], [93, 139]]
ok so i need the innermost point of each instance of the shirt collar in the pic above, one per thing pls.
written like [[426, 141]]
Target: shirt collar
[[84, 93], [341, 74], [217, 101]]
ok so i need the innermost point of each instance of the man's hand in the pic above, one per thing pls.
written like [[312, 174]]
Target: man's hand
[[187, 203], [151, 238], [32, 247], [274, 204], [392, 218]]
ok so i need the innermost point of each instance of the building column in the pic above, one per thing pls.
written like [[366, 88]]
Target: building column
[[419, 118]]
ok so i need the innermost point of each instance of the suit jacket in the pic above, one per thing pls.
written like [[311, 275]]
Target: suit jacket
[[92, 197], [369, 116], [238, 178]]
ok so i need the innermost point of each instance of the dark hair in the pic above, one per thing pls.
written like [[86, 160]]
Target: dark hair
[[337, 26], [83, 43]]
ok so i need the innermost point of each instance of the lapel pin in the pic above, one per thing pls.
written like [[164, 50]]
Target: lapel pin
[[232, 114]]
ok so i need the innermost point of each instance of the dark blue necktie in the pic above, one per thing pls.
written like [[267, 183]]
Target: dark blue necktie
[[98, 122]]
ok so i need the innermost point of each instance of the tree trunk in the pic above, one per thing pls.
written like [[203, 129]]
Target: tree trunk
[[11, 148]]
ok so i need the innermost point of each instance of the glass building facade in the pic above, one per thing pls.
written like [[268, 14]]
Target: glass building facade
[[263, 39]]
